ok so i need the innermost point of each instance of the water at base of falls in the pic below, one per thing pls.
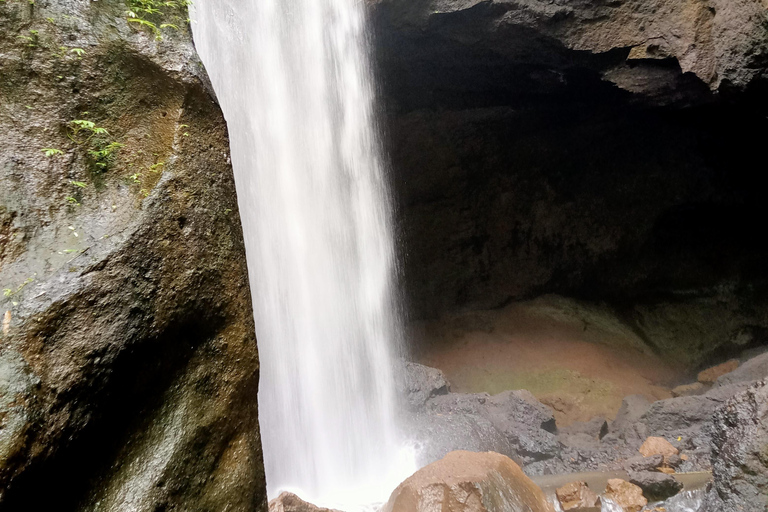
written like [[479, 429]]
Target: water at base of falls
[[293, 80]]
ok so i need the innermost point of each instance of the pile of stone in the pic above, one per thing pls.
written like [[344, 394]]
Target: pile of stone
[[516, 424]]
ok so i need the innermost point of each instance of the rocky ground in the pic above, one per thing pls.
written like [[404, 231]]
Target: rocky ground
[[722, 427], [514, 423], [579, 359]]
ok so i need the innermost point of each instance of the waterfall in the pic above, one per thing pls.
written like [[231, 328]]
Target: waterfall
[[294, 82]]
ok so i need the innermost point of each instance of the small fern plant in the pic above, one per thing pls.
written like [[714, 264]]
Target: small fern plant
[[101, 148], [154, 14]]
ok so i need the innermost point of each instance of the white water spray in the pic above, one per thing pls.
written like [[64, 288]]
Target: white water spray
[[293, 79]]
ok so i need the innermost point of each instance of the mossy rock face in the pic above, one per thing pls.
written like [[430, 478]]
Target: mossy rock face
[[129, 367]]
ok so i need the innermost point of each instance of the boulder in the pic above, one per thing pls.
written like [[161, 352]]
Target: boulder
[[577, 496], [626, 495], [420, 383], [657, 446], [596, 428], [641, 463], [656, 486], [469, 482], [526, 424], [710, 375], [752, 370], [740, 453], [683, 421], [440, 433], [289, 502], [627, 419]]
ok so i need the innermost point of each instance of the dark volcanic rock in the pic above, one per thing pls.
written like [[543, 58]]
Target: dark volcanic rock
[[129, 368], [441, 433], [752, 370], [626, 425], [528, 424], [740, 453], [420, 383], [596, 428], [518, 48], [514, 422], [686, 421], [656, 486]]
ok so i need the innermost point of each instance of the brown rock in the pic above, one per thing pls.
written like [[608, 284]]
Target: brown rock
[[289, 502], [657, 446], [577, 496], [710, 375], [628, 496], [468, 482], [695, 388]]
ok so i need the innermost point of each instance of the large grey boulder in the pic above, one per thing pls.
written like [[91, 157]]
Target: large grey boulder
[[740, 453], [439, 433], [526, 424], [754, 369], [419, 383], [129, 369]]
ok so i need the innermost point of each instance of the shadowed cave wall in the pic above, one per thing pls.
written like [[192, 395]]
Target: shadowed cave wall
[[548, 148]]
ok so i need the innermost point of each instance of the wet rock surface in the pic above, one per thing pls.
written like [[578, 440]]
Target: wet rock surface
[[468, 482], [128, 368]]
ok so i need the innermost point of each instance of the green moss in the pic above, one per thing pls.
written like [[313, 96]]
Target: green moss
[[538, 382]]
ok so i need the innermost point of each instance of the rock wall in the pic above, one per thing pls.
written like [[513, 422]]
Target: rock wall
[[740, 453], [128, 366], [601, 150]]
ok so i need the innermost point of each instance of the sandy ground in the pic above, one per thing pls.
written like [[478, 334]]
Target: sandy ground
[[579, 359]]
